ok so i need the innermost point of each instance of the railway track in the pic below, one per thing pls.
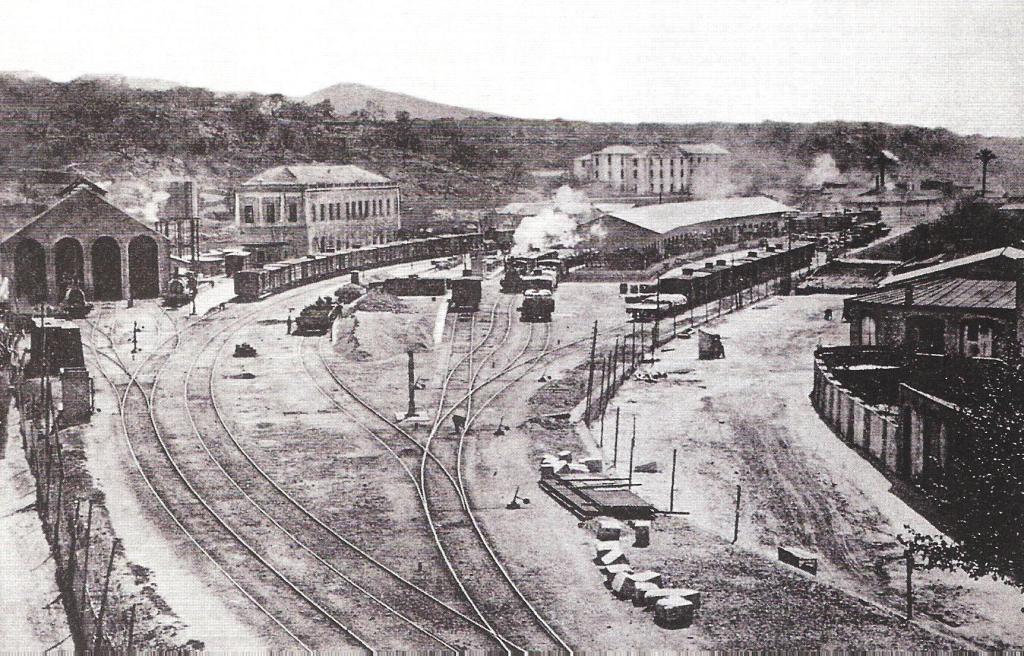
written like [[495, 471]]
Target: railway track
[[481, 575], [134, 383], [162, 462], [292, 614], [397, 439], [423, 610]]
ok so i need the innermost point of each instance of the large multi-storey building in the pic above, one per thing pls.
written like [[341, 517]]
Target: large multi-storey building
[[682, 169], [300, 209]]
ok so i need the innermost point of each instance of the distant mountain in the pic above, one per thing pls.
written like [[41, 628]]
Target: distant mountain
[[22, 75], [140, 83], [347, 98]]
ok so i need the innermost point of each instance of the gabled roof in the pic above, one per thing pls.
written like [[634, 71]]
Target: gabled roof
[[702, 149], [668, 216], [677, 150], [950, 293], [80, 192], [618, 149], [15, 217], [316, 174], [1007, 252]]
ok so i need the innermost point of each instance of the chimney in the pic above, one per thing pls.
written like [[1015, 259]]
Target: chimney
[[908, 295], [719, 262], [709, 265]]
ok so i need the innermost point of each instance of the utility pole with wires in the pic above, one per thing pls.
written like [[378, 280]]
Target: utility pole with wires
[[590, 377], [632, 449]]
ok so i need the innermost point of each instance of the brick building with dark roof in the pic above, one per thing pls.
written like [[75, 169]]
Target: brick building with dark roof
[[970, 306]]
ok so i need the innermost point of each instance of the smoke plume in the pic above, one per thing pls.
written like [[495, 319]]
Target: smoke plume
[[824, 170], [555, 225]]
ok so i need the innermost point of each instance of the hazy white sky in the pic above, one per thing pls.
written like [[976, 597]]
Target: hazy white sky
[[928, 62]]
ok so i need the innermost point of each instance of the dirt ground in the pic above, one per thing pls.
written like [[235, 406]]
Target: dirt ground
[[33, 617], [746, 420], [743, 420]]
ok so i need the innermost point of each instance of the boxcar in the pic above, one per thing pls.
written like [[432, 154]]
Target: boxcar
[[466, 293]]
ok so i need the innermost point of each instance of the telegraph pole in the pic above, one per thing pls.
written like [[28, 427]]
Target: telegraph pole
[[736, 523], [909, 556], [615, 452], [590, 378], [672, 488], [632, 448]]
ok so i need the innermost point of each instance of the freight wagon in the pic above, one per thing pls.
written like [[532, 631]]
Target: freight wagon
[[466, 293], [713, 279], [252, 284]]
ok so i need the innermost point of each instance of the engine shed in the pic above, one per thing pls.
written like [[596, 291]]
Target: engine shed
[[82, 239]]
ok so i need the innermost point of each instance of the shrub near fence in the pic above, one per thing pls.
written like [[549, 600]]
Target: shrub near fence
[[97, 582]]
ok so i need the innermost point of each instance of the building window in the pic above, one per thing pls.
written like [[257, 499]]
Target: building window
[[977, 338], [387, 207], [868, 331], [926, 334], [268, 212], [293, 212], [248, 215]]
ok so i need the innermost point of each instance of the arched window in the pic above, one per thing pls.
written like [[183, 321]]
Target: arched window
[[868, 331]]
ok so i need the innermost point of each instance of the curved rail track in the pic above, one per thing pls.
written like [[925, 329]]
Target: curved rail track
[[243, 567]]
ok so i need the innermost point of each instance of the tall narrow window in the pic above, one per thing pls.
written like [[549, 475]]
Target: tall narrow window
[[868, 331], [293, 212], [248, 215], [269, 212]]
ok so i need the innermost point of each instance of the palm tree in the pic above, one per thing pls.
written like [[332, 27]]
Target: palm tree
[[986, 156]]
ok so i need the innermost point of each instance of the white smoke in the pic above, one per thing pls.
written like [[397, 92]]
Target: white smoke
[[571, 201], [149, 211], [544, 230], [555, 225], [824, 170]]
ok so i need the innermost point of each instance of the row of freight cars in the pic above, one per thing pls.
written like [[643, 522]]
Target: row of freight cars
[[712, 279], [252, 284]]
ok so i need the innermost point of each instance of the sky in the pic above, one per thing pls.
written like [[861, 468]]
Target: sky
[[933, 63]]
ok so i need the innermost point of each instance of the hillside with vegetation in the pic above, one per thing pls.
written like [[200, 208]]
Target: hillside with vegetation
[[134, 140]]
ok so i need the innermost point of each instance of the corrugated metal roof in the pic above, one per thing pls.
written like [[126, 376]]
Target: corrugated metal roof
[[1008, 252], [951, 292], [668, 216], [316, 174]]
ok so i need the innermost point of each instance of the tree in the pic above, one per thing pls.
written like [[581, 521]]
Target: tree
[[985, 156], [981, 491], [402, 133]]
